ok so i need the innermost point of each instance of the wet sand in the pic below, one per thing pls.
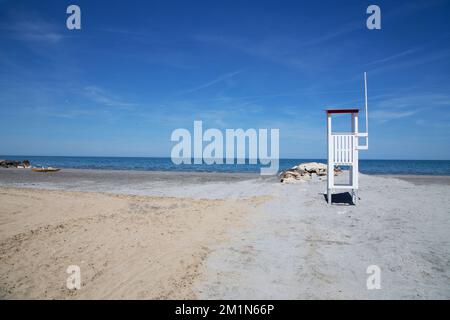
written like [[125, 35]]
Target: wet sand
[[424, 179]]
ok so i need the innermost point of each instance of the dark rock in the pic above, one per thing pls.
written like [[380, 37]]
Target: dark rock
[[26, 163], [14, 164]]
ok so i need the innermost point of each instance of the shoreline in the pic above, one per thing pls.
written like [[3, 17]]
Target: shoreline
[[235, 174], [186, 184], [419, 179], [152, 183]]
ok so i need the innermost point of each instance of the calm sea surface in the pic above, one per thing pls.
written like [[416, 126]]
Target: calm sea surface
[[417, 167]]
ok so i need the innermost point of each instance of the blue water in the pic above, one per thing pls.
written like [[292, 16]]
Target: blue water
[[416, 167]]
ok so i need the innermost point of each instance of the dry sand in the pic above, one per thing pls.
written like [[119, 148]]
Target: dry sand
[[236, 236], [126, 246]]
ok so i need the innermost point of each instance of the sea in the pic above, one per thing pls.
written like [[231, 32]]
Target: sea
[[407, 167]]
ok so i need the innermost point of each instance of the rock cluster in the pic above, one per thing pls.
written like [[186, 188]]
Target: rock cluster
[[14, 164], [305, 171]]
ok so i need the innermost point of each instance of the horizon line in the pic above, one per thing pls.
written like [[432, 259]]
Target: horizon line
[[168, 157]]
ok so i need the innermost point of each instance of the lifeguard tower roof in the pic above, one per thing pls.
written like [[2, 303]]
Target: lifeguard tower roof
[[328, 111]]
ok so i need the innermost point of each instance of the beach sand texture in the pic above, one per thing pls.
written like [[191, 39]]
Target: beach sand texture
[[236, 236]]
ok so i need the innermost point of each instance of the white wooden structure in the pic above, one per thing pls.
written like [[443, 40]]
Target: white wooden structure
[[343, 149]]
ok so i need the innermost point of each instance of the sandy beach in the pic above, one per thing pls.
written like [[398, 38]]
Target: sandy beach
[[173, 235]]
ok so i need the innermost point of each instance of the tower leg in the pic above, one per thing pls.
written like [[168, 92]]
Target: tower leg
[[330, 162], [330, 181], [354, 197]]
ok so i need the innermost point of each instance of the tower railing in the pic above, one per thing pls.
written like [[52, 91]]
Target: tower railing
[[343, 146]]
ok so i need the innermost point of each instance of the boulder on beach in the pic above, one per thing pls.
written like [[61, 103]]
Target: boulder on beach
[[313, 167], [294, 175], [14, 164], [305, 171], [26, 163]]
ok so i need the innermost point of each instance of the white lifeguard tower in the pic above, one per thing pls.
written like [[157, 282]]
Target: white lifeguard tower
[[343, 148]]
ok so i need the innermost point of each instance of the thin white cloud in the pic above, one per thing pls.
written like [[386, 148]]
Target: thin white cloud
[[407, 106], [348, 28], [100, 96], [385, 115], [394, 56], [32, 30], [425, 100], [67, 113], [438, 124], [414, 62], [212, 82], [280, 50]]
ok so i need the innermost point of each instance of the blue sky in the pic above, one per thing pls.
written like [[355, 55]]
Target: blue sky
[[137, 70]]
